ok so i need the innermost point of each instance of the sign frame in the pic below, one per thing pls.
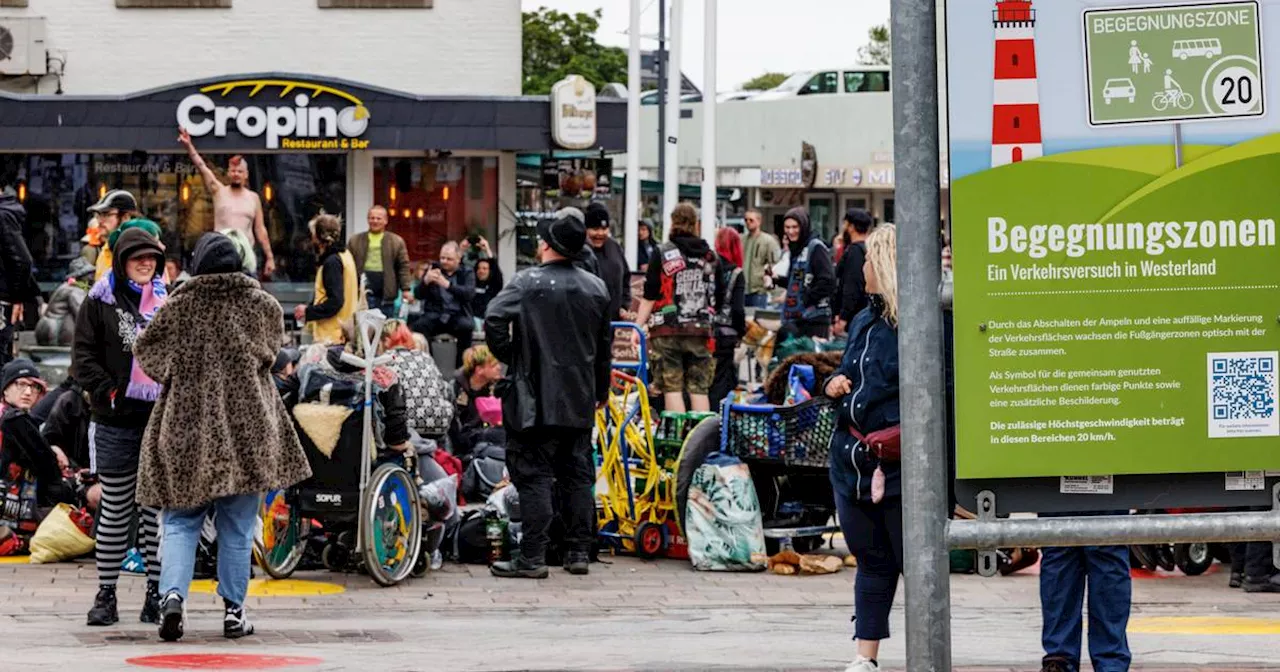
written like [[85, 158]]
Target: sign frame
[[1089, 74]]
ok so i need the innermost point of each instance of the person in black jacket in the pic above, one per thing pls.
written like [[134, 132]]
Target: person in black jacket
[[851, 293], [610, 258], [121, 397], [24, 451], [810, 281], [488, 284], [17, 279], [868, 490], [550, 327], [648, 249], [445, 292], [731, 316]]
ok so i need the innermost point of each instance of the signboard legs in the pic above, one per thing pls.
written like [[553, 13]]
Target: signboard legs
[[924, 453]]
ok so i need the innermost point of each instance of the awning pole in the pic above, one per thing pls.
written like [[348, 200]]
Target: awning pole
[[631, 218]]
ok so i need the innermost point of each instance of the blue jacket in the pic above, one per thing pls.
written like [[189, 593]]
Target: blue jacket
[[870, 363]]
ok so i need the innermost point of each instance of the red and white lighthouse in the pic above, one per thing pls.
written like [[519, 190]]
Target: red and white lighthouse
[[1015, 120]]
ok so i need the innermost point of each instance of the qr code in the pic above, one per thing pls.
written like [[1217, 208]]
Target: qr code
[[1242, 394]]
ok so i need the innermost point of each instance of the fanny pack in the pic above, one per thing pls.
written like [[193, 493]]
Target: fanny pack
[[885, 444]]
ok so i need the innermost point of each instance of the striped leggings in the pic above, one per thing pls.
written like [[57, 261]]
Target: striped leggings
[[114, 517]]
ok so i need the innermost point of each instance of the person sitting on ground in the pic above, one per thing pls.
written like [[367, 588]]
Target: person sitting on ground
[[445, 292], [479, 373], [426, 392], [284, 374], [24, 454], [57, 326]]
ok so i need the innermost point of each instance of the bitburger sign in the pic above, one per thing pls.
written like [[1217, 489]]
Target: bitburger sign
[[290, 114]]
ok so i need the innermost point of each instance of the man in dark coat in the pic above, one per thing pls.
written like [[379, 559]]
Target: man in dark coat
[[17, 281], [610, 258], [550, 327]]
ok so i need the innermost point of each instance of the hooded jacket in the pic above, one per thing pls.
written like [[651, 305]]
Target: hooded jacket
[[17, 280], [106, 329], [815, 285], [219, 428]]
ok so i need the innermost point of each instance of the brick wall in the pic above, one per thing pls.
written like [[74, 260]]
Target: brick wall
[[455, 47]]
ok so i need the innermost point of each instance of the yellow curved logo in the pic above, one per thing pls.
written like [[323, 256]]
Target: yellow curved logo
[[287, 86]]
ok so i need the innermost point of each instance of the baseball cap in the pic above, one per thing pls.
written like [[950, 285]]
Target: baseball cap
[[116, 199]]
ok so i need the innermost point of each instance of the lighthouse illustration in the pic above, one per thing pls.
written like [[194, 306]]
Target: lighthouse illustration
[[1015, 119]]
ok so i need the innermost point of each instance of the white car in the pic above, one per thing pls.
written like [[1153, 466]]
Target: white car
[[1119, 88]]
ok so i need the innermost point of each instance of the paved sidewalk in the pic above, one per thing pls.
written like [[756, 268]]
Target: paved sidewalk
[[629, 615]]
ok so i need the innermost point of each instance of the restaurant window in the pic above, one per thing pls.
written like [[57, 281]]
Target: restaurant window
[[433, 201], [57, 189]]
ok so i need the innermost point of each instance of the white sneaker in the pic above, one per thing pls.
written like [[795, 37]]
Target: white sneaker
[[862, 664]]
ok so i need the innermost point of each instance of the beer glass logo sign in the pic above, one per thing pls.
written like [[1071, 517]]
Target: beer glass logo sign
[[307, 120]]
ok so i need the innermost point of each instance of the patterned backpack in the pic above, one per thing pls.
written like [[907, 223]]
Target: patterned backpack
[[428, 397]]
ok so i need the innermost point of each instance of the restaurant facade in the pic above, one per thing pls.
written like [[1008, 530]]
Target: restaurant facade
[[441, 157]]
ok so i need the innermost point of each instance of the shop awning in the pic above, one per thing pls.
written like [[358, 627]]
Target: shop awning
[[289, 112]]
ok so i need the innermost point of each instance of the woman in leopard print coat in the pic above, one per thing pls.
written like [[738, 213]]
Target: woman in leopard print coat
[[219, 428], [219, 435]]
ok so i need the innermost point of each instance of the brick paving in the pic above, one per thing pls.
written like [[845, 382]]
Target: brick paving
[[627, 615]]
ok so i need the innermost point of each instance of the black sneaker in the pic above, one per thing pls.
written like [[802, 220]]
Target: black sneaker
[[578, 564], [1055, 665], [518, 570], [104, 607], [1237, 580], [173, 618], [151, 604], [235, 623], [1267, 585]]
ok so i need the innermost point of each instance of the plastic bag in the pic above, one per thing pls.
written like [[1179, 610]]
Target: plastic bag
[[723, 521], [441, 497], [59, 537], [800, 382]]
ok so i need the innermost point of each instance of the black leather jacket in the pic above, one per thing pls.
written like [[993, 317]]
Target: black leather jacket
[[17, 282], [550, 326]]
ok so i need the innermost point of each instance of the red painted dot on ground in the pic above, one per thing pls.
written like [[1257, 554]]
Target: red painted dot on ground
[[221, 661]]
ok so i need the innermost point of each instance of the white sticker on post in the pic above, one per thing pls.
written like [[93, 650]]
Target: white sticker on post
[[1246, 480], [1087, 485]]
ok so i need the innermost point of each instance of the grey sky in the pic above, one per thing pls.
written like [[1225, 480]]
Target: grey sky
[[755, 36]]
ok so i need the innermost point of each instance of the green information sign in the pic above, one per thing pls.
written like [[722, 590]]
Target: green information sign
[[1174, 63], [1116, 312]]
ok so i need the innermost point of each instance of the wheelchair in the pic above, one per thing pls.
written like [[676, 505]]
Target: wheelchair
[[366, 501]]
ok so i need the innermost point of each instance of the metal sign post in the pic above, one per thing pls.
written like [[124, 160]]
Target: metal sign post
[[924, 419]]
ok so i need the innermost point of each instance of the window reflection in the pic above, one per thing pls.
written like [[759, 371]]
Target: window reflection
[[432, 201], [61, 187]]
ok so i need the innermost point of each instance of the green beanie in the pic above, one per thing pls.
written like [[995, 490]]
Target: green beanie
[[136, 223]]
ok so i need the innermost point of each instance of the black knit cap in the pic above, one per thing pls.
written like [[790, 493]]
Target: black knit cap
[[17, 370]]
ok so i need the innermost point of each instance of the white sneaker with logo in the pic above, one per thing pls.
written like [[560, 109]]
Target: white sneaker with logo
[[862, 664]]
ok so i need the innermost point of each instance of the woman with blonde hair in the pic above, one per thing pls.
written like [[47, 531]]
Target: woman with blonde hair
[[337, 287], [867, 485]]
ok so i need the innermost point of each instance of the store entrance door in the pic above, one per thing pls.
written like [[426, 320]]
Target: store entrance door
[[822, 216]]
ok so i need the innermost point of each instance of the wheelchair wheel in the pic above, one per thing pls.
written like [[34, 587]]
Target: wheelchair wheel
[[282, 539], [390, 525]]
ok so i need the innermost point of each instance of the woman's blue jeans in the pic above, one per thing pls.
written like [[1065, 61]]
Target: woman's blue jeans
[[235, 518]]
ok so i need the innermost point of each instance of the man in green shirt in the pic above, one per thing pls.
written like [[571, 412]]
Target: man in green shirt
[[383, 258], [760, 253]]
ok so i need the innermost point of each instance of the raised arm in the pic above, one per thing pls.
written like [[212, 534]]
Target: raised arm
[[210, 180]]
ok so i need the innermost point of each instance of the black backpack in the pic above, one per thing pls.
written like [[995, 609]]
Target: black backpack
[[467, 542]]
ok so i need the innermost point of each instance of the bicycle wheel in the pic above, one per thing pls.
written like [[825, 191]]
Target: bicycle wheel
[[1185, 101], [1160, 102], [282, 539], [390, 525]]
